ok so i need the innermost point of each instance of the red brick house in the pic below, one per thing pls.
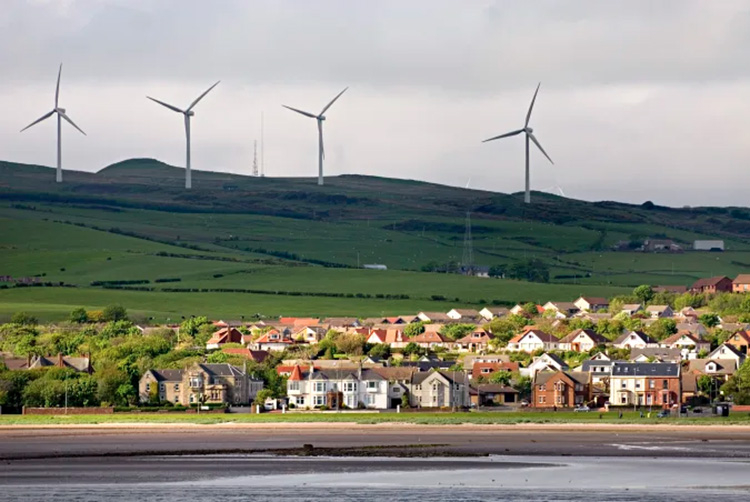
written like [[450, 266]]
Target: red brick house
[[718, 284], [560, 389], [224, 335], [486, 370]]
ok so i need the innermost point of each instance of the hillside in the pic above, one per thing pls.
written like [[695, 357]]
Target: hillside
[[134, 221]]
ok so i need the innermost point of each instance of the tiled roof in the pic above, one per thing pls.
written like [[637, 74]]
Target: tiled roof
[[645, 369]]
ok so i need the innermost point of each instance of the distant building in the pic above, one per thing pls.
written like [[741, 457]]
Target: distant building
[[708, 245], [374, 266], [661, 245], [741, 283], [717, 284]]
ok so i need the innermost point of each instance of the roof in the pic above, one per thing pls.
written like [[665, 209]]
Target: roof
[[467, 312], [226, 335], [722, 367], [451, 376], [168, 375], [545, 337], [742, 279], [221, 369], [729, 347], [76, 363], [256, 355], [299, 321], [14, 363], [679, 335], [543, 377], [657, 353], [593, 335], [478, 336], [477, 368], [587, 365], [492, 388], [436, 316], [645, 369], [396, 372], [710, 281], [563, 305], [643, 336], [496, 311], [594, 300], [670, 289], [632, 306], [296, 375], [429, 337], [657, 308]]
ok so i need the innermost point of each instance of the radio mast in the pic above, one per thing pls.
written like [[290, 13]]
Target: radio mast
[[255, 158]]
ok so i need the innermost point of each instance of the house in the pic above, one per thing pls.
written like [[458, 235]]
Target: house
[[740, 341], [518, 309], [561, 310], [685, 340], [634, 339], [631, 308], [718, 284], [485, 371], [708, 245], [399, 383], [721, 368], [337, 388], [655, 354], [659, 311], [434, 317], [531, 340], [560, 389], [591, 304], [273, 340], [695, 328], [490, 394], [310, 334], [431, 340], [470, 360], [741, 283], [688, 314], [460, 314], [645, 384], [490, 313], [476, 341], [439, 389], [201, 383], [595, 318], [390, 336], [727, 351], [299, 321], [80, 364], [599, 367], [223, 336], [341, 322], [582, 340], [257, 356], [545, 362]]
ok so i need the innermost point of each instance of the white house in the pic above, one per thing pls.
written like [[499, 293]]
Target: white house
[[489, 313], [686, 341], [726, 351], [532, 340], [545, 362], [631, 308], [634, 339], [582, 340], [458, 314], [337, 388], [562, 310], [591, 304], [659, 311]]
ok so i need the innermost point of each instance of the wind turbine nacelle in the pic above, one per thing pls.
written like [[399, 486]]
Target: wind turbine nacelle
[[60, 110], [321, 117], [529, 130], [190, 113]]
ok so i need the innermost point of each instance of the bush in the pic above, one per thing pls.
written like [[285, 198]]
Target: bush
[[24, 318], [114, 313], [79, 316]]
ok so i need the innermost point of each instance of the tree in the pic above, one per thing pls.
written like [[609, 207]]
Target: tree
[[405, 400], [351, 344], [738, 385], [662, 328], [412, 348], [709, 319], [79, 316], [688, 300], [114, 313], [414, 329], [498, 270], [522, 385], [381, 350], [501, 378], [705, 385], [24, 318], [456, 331], [529, 309], [644, 293]]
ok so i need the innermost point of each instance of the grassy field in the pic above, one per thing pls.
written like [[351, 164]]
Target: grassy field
[[132, 221], [629, 417]]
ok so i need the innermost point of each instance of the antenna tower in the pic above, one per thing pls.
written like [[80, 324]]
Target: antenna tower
[[467, 261], [255, 158], [262, 163]]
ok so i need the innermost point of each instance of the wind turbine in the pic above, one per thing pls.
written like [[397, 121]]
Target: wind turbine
[[529, 136], [60, 115], [320, 118], [187, 113]]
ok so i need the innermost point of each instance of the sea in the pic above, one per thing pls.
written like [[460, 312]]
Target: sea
[[500, 478]]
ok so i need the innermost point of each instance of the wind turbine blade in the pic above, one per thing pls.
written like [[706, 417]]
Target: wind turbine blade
[[531, 106], [162, 103], [201, 96], [320, 138], [72, 123], [57, 89], [306, 114], [533, 138], [506, 135], [44, 117], [333, 101]]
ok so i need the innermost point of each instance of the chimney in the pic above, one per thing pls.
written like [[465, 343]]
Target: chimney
[[28, 361], [60, 360]]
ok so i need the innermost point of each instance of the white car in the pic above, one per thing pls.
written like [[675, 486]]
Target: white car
[[582, 408]]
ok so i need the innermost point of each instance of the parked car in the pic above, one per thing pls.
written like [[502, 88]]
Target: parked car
[[582, 408], [697, 410], [663, 414], [525, 403]]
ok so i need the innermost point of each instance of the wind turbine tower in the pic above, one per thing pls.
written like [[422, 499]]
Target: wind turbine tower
[[60, 116], [320, 118], [187, 113], [467, 260], [529, 132]]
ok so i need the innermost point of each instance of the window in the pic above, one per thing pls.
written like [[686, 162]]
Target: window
[[434, 399], [350, 386], [319, 387], [196, 382], [319, 400], [559, 399], [372, 385], [369, 400], [486, 370], [623, 400], [301, 401], [161, 387], [665, 384], [293, 385], [638, 384], [542, 399], [177, 387], [542, 387], [396, 390], [148, 387], [623, 385]]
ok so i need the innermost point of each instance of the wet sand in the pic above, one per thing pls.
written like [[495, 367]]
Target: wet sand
[[48, 442]]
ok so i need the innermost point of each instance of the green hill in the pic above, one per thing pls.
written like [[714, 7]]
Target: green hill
[[260, 237]]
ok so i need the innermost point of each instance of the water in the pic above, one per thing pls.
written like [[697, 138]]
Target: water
[[529, 479]]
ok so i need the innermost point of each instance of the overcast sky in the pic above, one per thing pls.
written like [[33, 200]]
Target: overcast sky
[[640, 100]]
